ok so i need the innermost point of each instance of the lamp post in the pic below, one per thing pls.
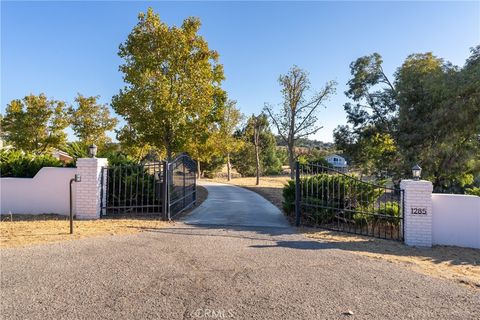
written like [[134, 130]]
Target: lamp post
[[416, 172], [78, 178], [92, 151]]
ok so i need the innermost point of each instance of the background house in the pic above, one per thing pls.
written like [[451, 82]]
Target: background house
[[337, 162]]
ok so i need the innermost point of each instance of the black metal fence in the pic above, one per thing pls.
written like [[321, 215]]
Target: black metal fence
[[157, 189], [337, 201]]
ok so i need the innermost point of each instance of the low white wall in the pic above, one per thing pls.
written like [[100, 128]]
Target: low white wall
[[456, 220], [47, 192]]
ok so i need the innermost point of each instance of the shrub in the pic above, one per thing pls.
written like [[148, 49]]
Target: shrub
[[325, 191], [244, 161], [289, 197], [475, 191], [212, 167], [383, 214], [16, 163], [119, 158]]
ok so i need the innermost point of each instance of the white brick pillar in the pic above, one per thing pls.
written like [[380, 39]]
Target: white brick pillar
[[417, 216], [89, 190]]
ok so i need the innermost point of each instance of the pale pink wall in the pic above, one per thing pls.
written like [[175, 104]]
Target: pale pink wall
[[456, 220], [47, 192]]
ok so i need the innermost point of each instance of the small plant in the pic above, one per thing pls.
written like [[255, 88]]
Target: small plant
[[289, 197], [388, 212], [475, 191]]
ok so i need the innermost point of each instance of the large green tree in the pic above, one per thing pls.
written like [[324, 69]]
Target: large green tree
[[297, 117], [431, 111], [373, 96], [35, 123], [173, 79], [439, 119], [372, 116], [91, 121]]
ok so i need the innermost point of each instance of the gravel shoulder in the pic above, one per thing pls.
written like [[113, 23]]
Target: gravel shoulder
[[460, 265], [208, 267], [184, 272]]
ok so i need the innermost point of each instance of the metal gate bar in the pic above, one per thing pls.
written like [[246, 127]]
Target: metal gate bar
[[334, 200], [151, 189]]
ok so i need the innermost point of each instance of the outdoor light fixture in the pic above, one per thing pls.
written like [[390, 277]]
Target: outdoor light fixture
[[78, 178], [92, 151], [416, 172]]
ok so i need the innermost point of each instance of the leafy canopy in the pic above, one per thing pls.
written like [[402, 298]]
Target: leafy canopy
[[91, 121], [35, 123], [173, 79]]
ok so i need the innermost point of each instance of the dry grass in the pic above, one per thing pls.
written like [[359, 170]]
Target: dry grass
[[47, 228], [453, 263], [270, 187], [24, 230]]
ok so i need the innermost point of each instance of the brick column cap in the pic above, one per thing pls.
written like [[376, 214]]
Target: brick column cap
[[410, 182]]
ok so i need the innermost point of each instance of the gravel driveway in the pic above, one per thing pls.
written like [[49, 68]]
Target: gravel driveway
[[218, 272]]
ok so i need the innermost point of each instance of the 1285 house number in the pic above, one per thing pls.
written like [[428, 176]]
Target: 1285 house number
[[419, 210]]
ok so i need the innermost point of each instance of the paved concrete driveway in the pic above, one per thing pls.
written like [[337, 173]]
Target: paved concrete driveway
[[234, 206], [218, 272]]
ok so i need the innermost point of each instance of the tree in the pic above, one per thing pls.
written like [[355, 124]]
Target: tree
[[35, 123], [297, 117], [204, 147], [373, 113], [227, 141], [439, 119], [91, 121], [133, 146], [245, 159], [429, 114], [376, 153], [173, 83], [373, 94], [259, 123]]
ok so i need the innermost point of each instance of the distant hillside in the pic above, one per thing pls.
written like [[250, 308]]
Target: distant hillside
[[307, 143]]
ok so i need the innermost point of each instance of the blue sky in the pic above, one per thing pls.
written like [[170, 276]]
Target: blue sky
[[61, 48]]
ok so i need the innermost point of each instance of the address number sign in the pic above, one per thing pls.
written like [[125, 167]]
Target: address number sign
[[419, 210]]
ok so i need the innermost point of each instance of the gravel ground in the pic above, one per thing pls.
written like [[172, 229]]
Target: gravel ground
[[207, 272]]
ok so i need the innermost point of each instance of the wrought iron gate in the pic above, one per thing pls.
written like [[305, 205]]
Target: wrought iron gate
[[334, 200], [151, 189], [182, 192]]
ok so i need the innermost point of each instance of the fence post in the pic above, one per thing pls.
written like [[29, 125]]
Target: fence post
[[165, 204], [297, 194], [184, 182], [89, 195], [195, 185], [417, 214]]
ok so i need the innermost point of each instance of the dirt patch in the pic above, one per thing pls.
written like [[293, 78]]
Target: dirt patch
[[24, 230], [453, 263]]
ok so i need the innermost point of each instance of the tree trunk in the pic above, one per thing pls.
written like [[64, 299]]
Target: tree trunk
[[198, 169], [169, 152], [229, 168], [291, 160], [258, 164]]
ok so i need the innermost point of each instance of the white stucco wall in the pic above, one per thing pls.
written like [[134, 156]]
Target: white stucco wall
[[456, 220], [47, 192]]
